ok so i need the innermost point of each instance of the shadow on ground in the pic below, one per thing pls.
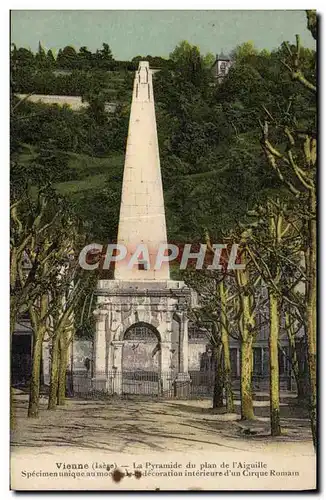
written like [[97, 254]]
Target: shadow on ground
[[139, 425]]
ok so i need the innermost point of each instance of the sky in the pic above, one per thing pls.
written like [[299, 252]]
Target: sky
[[131, 33]]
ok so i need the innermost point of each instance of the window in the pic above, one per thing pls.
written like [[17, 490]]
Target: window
[[197, 334], [261, 361], [263, 326], [234, 361], [265, 361], [223, 68], [283, 361], [258, 357], [142, 265], [141, 332]]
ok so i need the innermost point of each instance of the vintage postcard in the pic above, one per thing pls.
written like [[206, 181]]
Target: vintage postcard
[[163, 250]]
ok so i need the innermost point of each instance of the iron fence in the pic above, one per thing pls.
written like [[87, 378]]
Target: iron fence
[[150, 384], [123, 384], [202, 383], [141, 383]]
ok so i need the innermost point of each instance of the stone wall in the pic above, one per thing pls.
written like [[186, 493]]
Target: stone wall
[[195, 354], [81, 350], [74, 102], [140, 356]]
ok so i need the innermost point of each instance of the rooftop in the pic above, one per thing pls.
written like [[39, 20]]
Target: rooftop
[[222, 57]]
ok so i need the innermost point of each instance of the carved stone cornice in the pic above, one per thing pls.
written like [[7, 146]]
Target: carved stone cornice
[[100, 313], [144, 293], [117, 343]]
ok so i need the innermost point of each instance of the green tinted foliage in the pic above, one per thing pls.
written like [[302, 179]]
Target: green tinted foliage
[[212, 165]]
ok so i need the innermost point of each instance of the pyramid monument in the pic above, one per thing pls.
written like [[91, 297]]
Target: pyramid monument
[[141, 314]]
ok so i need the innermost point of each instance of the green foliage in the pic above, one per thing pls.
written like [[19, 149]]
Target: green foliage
[[208, 60], [212, 164], [243, 51], [72, 72], [312, 23], [67, 58], [154, 62], [190, 64]]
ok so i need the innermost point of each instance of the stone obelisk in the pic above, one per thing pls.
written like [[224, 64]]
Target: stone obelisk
[[141, 298], [142, 215]]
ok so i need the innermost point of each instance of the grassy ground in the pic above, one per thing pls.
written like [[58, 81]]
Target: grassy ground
[[92, 173]]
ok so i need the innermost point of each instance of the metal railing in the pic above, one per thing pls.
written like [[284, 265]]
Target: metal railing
[[113, 383], [142, 383], [152, 384]]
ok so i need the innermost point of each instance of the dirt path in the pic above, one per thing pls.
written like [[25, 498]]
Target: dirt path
[[135, 426]]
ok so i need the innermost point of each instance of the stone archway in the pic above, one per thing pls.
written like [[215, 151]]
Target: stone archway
[[141, 359]]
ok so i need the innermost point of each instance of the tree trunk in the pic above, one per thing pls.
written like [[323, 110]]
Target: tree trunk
[[274, 391], [247, 408], [311, 313], [62, 374], [227, 374], [14, 302], [34, 392], [12, 329], [247, 329], [226, 352], [295, 359], [303, 387], [303, 377], [218, 384], [54, 380], [13, 315]]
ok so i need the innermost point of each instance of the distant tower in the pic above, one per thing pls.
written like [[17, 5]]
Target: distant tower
[[221, 66]]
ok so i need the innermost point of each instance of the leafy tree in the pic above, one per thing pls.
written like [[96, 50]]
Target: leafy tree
[[248, 331], [189, 63], [22, 62], [241, 52], [40, 57], [212, 312], [66, 293], [36, 223], [22, 57], [103, 58], [312, 24], [96, 106], [274, 246], [67, 58], [208, 60], [295, 166], [85, 58]]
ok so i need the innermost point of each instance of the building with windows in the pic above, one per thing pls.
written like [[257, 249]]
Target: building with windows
[[201, 355], [221, 66]]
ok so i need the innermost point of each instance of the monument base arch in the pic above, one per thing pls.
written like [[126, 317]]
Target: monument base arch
[[139, 346]]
